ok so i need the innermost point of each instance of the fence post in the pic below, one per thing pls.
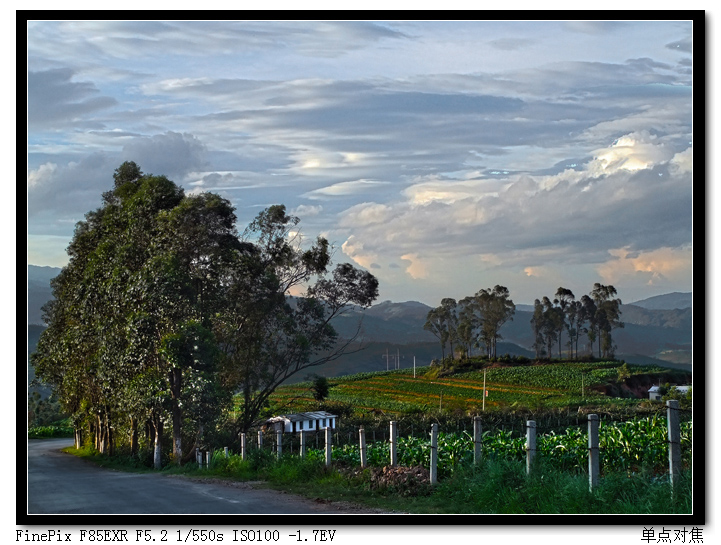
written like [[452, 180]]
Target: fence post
[[260, 439], [328, 436], [226, 451], [477, 428], [207, 459], [594, 465], [362, 434], [674, 441], [434, 453], [198, 457], [530, 444], [302, 443], [393, 443], [243, 446], [279, 442]]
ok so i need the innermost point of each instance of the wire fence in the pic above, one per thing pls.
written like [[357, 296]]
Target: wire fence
[[599, 443]]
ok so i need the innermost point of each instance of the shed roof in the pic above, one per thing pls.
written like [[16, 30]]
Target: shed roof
[[298, 417]]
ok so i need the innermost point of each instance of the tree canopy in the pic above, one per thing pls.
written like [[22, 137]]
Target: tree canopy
[[164, 312]]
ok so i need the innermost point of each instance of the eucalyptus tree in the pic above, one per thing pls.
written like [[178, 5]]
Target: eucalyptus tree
[[266, 336], [537, 324], [608, 317], [563, 298], [468, 323], [449, 306], [142, 268], [496, 308], [437, 323]]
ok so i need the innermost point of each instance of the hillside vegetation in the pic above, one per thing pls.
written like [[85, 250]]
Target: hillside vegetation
[[457, 387]]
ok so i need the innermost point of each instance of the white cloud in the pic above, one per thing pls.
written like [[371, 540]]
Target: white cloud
[[354, 187], [41, 175], [417, 268]]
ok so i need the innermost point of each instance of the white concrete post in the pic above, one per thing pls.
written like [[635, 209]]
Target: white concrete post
[[303, 436], [260, 439], [207, 459], [226, 452], [394, 443], [594, 465], [362, 434], [530, 444], [198, 457], [279, 442], [477, 429], [243, 446], [434, 453], [328, 436], [674, 441]]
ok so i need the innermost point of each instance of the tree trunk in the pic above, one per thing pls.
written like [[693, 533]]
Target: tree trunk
[[157, 453], [175, 382], [133, 436]]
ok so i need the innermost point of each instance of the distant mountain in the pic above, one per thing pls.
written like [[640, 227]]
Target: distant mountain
[[656, 330], [668, 301], [39, 291]]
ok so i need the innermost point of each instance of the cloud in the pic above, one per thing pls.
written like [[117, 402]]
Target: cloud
[[171, 153], [354, 187], [306, 211], [661, 267], [634, 194], [355, 250], [54, 100], [417, 268]]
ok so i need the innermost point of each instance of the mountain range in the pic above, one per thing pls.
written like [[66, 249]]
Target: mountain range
[[657, 330]]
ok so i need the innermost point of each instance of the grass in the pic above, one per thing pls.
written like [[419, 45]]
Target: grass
[[494, 486]]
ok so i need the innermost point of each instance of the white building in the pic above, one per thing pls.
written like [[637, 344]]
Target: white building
[[312, 421], [654, 393]]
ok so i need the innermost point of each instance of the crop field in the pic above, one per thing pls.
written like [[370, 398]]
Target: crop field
[[549, 385], [624, 446]]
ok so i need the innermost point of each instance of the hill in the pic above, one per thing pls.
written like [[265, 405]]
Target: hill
[[675, 300], [657, 331]]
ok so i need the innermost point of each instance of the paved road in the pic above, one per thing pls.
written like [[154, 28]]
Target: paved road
[[59, 483]]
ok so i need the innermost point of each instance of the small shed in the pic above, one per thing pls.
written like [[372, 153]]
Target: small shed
[[654, 393], [311, 421]]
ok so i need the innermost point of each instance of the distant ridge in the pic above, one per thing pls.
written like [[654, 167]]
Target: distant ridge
[[668, 301]]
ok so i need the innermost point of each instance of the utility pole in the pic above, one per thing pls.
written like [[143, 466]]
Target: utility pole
[[398, 358], [484, 390]]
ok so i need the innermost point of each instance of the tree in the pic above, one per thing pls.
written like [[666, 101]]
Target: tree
[[265, 335], [537, 323], [607, 317], [437, 323], [563, 298], [319, 387], [163, 312], [495, 308]]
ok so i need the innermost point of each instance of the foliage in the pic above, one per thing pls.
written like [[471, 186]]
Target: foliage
[[319, 387], [164, 311]]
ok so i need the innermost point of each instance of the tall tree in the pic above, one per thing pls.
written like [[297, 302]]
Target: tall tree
[[563, 298], [143, 268], [267, 336], [437, 323], [496, 308], [608, 317]]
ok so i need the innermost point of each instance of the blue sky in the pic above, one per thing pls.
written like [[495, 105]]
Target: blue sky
[[442, 156]]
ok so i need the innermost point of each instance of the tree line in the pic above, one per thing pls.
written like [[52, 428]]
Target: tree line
[[165, 311], [475, 322]]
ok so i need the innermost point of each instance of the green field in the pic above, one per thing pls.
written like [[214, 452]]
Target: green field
[[544, 385]]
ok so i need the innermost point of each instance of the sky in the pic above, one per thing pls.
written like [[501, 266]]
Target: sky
[[442, 156]]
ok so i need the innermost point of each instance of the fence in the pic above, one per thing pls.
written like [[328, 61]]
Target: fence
[[391, 445]]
